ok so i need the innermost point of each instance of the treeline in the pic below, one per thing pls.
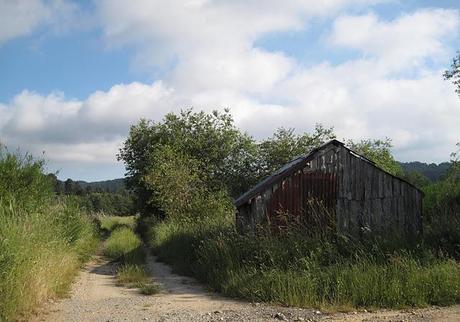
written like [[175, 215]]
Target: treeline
[[71, 187], [109, 197], [186, 170], [432, 172]]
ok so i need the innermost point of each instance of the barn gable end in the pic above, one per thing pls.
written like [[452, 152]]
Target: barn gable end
[[356, 194]]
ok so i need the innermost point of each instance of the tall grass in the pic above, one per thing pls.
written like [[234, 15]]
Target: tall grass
[[40, 255], [110, 223], [42, 242], [124, 245], [441, 215], [299, 271]]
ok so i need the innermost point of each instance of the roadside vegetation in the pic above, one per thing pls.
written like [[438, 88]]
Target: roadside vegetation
[[185, 171], [110, 223], [43, 241], [124, 246]]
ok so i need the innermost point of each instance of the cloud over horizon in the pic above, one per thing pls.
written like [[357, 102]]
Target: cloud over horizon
[[387, 84]]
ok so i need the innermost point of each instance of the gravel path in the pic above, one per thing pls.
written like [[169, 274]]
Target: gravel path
[[95, 297]]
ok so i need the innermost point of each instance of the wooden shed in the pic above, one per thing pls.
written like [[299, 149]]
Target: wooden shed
[[358, 196]]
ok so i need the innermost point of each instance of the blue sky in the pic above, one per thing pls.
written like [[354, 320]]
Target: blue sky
[[75, 75]]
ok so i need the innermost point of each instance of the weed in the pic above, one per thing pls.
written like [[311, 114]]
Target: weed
[[150, 289], [131, 275]]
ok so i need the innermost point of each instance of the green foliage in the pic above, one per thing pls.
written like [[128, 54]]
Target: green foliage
[[434, 172], [180, 189], [122, 244], [285, 145], [22, 180], [121, 203], [221, 154], [42, 242], [453, 74], [110, 223], [416, 178], [378, 151], [441, 212]]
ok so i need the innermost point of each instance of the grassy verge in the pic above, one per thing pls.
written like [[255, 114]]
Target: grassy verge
[[41, 252], [125, 246], [294, 270]]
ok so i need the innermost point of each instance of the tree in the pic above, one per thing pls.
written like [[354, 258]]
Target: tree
[[453, 73], [378, 151], [417, 179], [224, 155], [454, 170], [285, 145]]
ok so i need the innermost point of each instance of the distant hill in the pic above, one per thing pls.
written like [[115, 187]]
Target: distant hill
[[81, 187], [107, 185], [432, 171]]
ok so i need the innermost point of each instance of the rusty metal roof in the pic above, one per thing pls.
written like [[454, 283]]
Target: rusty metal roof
[[281, 171]]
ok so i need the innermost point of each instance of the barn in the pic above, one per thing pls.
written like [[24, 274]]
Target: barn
[[332, 181]]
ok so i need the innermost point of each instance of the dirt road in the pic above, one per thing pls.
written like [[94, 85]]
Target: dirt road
[[95, 297]]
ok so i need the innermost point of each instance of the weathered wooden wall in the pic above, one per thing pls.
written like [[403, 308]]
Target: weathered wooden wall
[[362, 198], [370, 200]]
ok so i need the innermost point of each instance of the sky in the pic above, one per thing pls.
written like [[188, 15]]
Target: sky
[[74, 75]]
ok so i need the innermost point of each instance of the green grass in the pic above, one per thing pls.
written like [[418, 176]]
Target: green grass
[[123, 244], [110, 223], [40, 255], [149, 289], [297, 271], [132, 275], [135, 276]]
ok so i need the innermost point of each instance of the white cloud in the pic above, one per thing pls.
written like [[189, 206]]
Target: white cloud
[[215, 64], [89, 130], [404, 42], [22, 17]]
